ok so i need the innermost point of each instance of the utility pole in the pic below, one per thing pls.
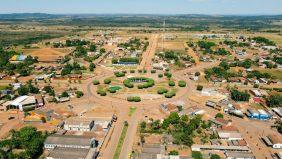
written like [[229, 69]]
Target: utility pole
[[163, 35]]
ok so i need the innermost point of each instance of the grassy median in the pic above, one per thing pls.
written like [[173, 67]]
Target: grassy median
[[120, 141]]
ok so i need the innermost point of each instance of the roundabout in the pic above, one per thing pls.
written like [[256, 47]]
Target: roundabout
[[139, 87]]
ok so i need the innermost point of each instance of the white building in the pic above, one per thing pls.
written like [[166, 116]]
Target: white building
[[23, 102], [78, 124]]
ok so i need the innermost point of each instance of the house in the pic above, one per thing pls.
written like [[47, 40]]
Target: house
[[23, 102], [256, 92], [278, 111], [252, 113], [229, 132], [258, 100], [78, 124], [39, 101], [16, 85], [274, 141], [69, 141], [17, 58], [263, 115], [210, 104], [62, 99]]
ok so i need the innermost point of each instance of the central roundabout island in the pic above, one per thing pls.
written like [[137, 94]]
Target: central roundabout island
[[140, 86]]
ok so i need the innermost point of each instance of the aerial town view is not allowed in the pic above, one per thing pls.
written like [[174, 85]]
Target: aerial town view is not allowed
[[161, 84]]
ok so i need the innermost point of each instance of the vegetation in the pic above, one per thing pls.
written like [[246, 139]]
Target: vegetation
[[131, 111], [149, 82], [101, 92], [162, 90], [215, 156], [27, 139], [197, 155], [119, 74], [181, 83], [239, 96], [170, 94], [274, 100], [96, 82], [262, 40], [120, 141], [171, 83], [134, 99], [173, 153], [219, 115], [79, 94], [107, 81], [200, 87]]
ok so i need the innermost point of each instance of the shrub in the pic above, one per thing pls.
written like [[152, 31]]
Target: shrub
[[256, 85], [112, 91], [162, 91], [171, 83], [119, 74], [219, 115], [215, 156], [170, 94], [160, 75], [173, 153], [168, 74], [199, 87], [197, 74], [140, 86], [182, 84], [79, 94], [96, 82], [132, 71], [107, 81], [144, 71], [139, 71], [240, 96], [197, 155], [153, 71], [134, 99], [101, 92]]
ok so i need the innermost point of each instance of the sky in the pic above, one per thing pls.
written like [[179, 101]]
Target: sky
[[213, 7]]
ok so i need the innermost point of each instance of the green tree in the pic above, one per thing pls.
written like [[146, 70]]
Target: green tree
[[215, 156], [173, 153], [197, 155], [219, 115]]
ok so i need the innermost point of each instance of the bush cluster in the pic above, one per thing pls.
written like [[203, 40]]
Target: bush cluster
[[96, 82], [162, 91], [101, 92], [134, 99], [119, 74], [148, 82], [182, 84], [107, 81], [170, 94]]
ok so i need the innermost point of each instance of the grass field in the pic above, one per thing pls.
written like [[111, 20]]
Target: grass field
[[120, 142], [131, 111]]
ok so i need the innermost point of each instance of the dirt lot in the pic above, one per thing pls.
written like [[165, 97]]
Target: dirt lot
[[47, 54]]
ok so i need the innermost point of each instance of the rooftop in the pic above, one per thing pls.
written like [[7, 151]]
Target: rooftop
[[68, 140], [68, 153]]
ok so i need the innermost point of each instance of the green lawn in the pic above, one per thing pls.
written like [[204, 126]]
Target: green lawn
[[120, 142], [131, 111]]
